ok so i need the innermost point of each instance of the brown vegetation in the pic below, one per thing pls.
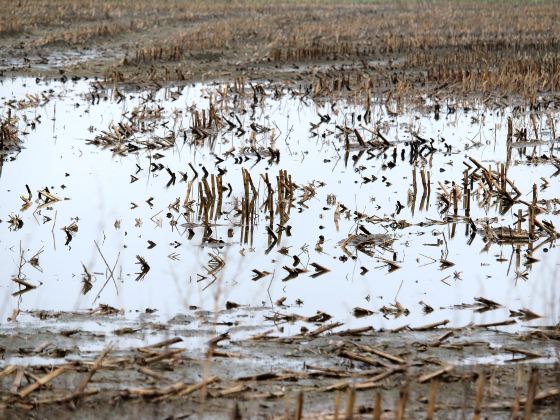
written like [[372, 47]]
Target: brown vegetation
[[467, 46]]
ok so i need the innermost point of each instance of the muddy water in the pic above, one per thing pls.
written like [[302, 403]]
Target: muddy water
[[96, 193]]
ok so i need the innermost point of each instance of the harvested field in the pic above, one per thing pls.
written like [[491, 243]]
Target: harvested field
[[284, 210], [493, 48]]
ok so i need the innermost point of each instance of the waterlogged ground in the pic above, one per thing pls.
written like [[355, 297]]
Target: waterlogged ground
[[134, 216], [96, 194]]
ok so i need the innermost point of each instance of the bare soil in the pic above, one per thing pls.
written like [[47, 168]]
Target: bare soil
[[264, 376]]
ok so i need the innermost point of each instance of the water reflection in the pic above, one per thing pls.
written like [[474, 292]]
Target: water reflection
[[204, 195]]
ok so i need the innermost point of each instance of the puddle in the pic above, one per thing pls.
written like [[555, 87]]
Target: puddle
[[123, 209], [46, 61], [507, 358]]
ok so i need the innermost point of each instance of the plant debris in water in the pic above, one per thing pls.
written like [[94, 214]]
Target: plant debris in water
[[366, 223]]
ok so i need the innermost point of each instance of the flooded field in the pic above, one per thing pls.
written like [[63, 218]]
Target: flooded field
[[260, 209], [263, 198], [241, 210]]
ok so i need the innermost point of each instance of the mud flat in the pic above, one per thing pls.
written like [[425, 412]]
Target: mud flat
[[439, 370]]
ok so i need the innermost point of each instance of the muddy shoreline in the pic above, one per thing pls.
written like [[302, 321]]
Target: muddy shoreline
[[263, 376]]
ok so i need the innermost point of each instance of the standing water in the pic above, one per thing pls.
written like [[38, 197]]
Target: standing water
[[276, 210]]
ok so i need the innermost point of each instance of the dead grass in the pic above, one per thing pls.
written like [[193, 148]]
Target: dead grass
[[471, 46], [9, 133]]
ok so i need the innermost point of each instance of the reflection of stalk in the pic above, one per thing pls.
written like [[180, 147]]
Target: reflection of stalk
[[216, 269], [455, 200]]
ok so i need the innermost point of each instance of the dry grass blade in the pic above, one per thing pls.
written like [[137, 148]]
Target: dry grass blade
[[380, 353], [42, 381], [433, 375], [96, 366]]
